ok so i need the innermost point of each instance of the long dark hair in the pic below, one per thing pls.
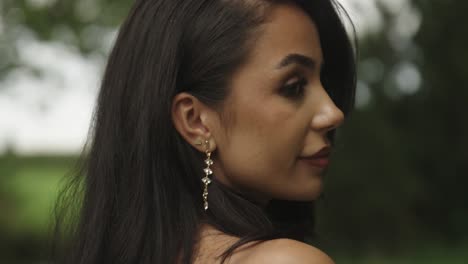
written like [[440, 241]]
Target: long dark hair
[[137, 194]]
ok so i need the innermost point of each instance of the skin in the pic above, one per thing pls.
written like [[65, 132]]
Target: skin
[[269, 128], [276, 251], [273, 121]]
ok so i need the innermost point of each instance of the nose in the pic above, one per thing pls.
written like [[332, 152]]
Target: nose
[[328, 117]]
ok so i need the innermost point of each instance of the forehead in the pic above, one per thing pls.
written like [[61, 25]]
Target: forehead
[[287, 30]]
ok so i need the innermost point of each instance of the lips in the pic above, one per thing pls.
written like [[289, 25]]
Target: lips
[[319, 159], [323, 152], [317, 162]]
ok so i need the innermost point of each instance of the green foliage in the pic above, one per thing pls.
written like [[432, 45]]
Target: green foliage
[[401, 162], [76, 23]]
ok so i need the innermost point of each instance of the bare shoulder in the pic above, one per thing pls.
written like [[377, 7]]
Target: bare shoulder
[[287, 251]]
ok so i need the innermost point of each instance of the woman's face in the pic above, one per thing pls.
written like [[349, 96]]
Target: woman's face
[[277, 113]]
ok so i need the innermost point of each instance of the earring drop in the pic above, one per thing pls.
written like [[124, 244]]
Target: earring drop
[[206, 180]]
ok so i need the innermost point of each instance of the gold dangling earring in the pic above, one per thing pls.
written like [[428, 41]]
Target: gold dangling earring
[[206, 180]]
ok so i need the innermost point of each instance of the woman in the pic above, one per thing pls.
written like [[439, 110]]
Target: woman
[[212, 133]]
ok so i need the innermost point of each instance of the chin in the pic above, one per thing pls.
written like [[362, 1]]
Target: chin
[[310, 196], [309, 191], [303, 195]]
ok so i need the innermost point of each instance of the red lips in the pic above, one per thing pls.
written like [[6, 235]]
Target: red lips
[[319, 162], [323, 152], [319, 159]]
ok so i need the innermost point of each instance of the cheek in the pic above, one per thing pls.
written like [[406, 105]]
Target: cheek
[[261, 149]]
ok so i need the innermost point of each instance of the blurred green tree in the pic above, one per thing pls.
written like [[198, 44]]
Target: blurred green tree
[[76, 23], [402, 160]]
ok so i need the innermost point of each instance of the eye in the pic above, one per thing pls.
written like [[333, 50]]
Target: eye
[[295, 89]]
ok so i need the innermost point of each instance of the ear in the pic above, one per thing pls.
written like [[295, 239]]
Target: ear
[[193, 120]]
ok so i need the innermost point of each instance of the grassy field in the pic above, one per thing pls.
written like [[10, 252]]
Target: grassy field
[[28, 189]]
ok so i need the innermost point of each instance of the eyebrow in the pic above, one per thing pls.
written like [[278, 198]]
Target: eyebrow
[[295, 58]]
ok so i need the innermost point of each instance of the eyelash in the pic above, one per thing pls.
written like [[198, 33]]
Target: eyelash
[[294, 90]]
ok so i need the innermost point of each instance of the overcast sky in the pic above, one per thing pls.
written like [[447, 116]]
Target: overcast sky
[[51, 113]]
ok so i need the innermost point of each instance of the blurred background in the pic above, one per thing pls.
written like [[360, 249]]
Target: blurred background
[[397, 192]]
